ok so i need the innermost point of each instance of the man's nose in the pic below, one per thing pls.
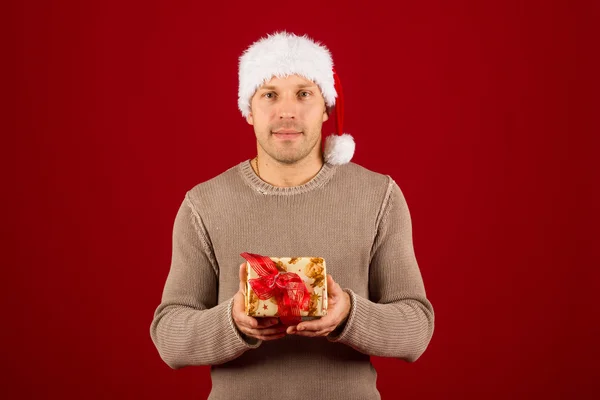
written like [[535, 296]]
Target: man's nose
[[287, 108]]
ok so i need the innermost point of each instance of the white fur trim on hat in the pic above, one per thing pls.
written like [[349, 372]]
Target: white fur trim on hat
[[282, 54], [339, 149]]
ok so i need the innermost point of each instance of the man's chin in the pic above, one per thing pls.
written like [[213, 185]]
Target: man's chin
[[288, 159]]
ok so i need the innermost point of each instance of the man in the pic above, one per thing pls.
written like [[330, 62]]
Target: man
[[293, 200]]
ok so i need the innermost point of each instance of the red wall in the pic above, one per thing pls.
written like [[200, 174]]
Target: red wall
[[483, 112]]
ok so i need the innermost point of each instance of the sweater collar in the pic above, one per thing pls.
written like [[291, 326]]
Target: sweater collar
[[256, 183]]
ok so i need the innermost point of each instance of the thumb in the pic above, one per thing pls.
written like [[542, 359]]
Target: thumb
[[333, 288], [243, 272], [243, 277]]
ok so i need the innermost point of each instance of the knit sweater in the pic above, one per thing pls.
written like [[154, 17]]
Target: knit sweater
[[356, 219]]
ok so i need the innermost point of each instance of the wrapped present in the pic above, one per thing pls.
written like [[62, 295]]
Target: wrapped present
[[291, 288]]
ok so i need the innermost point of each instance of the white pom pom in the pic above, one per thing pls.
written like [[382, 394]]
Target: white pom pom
[[339, 149]]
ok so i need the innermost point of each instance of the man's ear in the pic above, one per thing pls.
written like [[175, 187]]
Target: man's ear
[[326, 114], [250, 119]]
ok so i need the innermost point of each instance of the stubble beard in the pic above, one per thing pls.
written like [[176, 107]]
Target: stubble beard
[[292, 152]]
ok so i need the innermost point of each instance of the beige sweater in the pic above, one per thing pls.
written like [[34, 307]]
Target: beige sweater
[[356, 219]]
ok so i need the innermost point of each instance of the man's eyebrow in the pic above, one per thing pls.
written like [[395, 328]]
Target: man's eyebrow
[[299, 86]]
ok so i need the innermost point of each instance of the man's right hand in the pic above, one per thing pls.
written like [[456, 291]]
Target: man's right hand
[[259, 328]]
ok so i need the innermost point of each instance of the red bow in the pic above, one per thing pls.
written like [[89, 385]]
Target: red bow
[[287, 287]]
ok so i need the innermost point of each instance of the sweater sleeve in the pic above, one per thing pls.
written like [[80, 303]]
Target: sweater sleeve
[[397, 320], [189, 327]]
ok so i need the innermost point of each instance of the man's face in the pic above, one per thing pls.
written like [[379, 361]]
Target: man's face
[[287, 115]]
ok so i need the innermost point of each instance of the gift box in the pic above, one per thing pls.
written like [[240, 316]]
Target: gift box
[[286, 287]]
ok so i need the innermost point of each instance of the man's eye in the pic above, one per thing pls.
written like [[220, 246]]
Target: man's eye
[[269, 95], [304, 94]]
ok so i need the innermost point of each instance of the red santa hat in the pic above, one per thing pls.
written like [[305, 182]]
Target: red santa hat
[[282, 54]]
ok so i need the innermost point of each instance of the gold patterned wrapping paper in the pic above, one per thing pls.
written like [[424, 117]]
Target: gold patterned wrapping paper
[[312, 271]]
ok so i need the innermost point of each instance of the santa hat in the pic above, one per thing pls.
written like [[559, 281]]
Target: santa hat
[[282, 54]]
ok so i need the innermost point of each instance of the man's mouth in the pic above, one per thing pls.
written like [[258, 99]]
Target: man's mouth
[[286, 131], [287, 134]]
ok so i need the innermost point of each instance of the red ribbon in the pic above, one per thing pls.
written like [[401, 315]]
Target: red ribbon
[[287, 287]]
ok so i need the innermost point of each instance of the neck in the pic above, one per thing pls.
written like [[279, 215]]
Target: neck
[[287, 175]]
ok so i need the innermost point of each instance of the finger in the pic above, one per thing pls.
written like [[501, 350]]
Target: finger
[[260, 334], [316, 325], [307, 333], [239, 313], [323, 332], [247, 322], [330, 280], [333, 289], [272, 337], [239, 304], [266, 332], [291, 329], [267, 322], [243, 274]]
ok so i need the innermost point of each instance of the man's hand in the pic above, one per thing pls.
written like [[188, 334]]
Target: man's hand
[[338, 311], [259, 328]]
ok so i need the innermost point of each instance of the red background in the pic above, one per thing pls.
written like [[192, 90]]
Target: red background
[[483, 112]]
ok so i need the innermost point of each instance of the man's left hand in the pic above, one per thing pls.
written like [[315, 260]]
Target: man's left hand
[[338, 309]]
